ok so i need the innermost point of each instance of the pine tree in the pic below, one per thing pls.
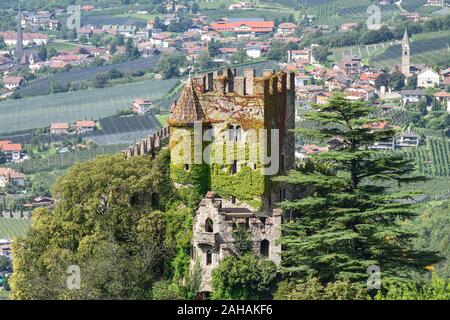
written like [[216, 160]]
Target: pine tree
[[349, 219]]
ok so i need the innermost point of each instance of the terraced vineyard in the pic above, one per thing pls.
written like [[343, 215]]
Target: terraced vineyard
[[40, 112], [63, 161], [365, 51], [338, 12], [428, 48], [397, 117], [432, 159], [10, 228], [413, 5], [100, 21], [43, 86]]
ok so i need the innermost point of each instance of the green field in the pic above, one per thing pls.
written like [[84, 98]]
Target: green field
[[10, 228], [58, 46], [432, 159], [365, 51], [40, 112], [163, 118], [59, 162], [428, 48]]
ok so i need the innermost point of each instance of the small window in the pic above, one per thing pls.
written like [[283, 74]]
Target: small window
[[209, 225], [263, 220], [233, 200], [238, 133], [234, 167], [208, 257], [186, 167], [231, 133], [264, 249]]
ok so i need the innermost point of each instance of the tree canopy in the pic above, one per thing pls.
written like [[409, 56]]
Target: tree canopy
[[347, 221], [118, 220]]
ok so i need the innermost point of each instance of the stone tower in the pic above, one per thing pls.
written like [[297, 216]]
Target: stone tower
[[230, 135], [406, 55]]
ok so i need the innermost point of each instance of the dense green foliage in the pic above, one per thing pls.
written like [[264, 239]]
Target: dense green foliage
[[436, 289], [349, 221], [433, 228], [109, 211], [312, 289], [243, 277]]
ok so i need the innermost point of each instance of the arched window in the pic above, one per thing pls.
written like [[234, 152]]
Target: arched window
[[264, 249], [208, 257], [238, 133], [209, 225], [231, 133]]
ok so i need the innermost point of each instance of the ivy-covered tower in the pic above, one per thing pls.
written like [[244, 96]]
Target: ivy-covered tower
[[233, 156], [230, 135]]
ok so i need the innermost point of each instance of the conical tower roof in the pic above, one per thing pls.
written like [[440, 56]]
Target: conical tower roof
[[188, 109], [405, 37]]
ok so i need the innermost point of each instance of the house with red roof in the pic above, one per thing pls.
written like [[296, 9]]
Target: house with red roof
[[243, 27], [444, 98], [286, 28], [11, 151], [8, 175], [13, 83], [446, 77], [84, 126], [59, 128], [141, 106]]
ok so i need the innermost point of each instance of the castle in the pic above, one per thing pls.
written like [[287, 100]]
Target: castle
[[230, 135]]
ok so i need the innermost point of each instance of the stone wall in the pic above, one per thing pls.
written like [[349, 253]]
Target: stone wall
[[219, 242]]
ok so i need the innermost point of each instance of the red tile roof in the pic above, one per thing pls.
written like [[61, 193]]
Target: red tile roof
[[11, 147], [13, 80], [85, 124], [442, 94], [244, 26], [59, 126]]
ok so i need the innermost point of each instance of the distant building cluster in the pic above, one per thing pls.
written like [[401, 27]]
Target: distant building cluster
[[79, 127]]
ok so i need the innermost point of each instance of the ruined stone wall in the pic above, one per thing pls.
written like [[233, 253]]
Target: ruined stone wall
[[220, 242]]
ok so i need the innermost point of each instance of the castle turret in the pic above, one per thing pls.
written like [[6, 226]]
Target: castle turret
[[406, 55]]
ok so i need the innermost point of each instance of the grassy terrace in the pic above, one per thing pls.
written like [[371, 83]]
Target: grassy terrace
[[428, 48], [41, 111], [10, 228]]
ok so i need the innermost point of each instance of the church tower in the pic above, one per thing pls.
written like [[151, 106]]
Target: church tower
[[406, 55], [19, 45]]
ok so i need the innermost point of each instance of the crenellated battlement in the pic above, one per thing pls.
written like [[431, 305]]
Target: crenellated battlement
[[149, 145], [227, 81]]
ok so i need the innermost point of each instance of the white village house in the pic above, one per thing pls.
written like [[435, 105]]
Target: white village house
[[428, 78]]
